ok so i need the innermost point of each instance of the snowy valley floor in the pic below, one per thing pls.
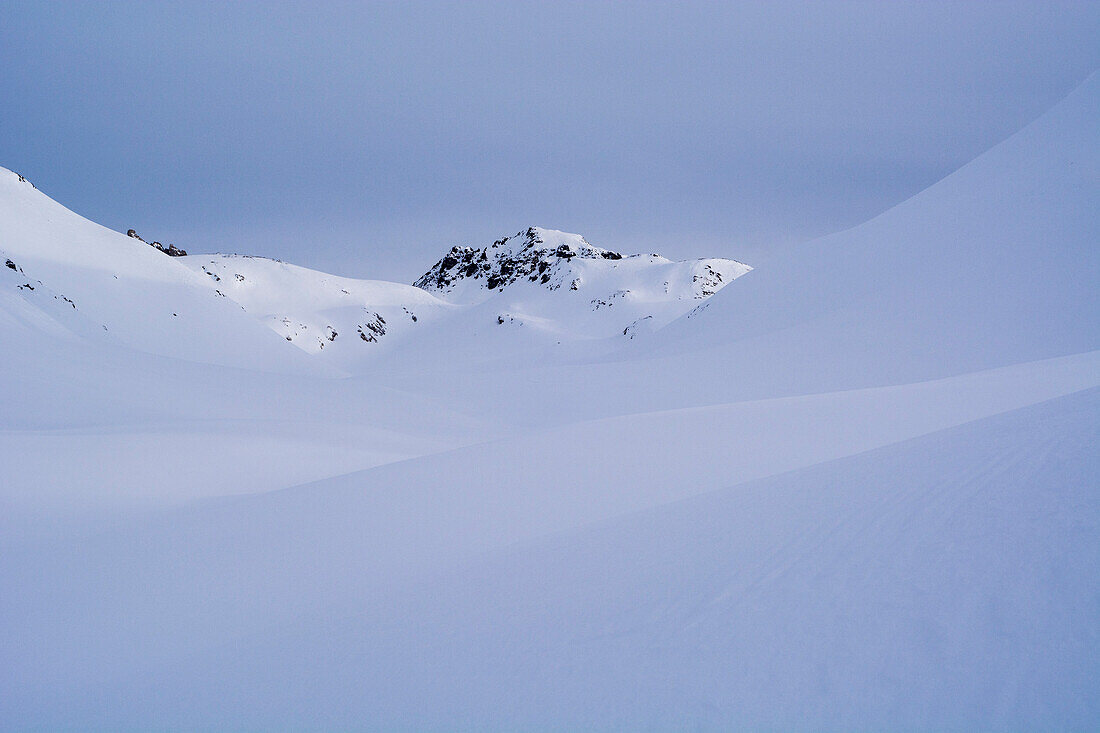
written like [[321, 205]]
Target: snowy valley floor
[[943, 580]]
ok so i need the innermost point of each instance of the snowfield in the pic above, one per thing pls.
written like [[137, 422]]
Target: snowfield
[[553, 486]]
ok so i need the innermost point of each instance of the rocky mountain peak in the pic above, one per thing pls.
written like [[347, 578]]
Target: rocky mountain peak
[[535, 255]]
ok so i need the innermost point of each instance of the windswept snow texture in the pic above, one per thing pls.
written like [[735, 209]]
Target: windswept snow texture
[[856, 489]]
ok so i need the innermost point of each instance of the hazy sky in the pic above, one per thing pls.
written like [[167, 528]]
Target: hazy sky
[[366, 138]]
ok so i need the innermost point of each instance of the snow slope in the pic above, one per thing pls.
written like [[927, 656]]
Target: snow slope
[[997, 263], [94, 282], [378, 598], [347, 318], [857, 489]]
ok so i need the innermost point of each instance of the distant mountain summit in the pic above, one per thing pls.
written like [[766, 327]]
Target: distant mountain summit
[[553, 260], [535, 254]]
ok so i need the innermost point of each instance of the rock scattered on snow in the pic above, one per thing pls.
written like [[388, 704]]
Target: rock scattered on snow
[[373, 329], [170, 249]]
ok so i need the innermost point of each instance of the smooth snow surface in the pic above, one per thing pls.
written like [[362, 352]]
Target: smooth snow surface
[[554, 487]]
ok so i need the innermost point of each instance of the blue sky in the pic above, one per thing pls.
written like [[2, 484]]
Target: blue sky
[[366, 138]]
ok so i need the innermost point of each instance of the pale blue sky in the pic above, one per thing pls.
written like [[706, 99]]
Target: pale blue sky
[[366, 138]]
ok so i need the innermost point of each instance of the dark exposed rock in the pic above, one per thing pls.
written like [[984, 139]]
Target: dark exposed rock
[[631, 330], [169, 249], [507, 260], [373, 329], [607, 302], [710, 282]]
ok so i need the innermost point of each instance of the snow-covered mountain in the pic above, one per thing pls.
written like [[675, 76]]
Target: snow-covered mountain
[[558, 284], [552, 285], [87, 280], [854, 490], [558, 260]]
